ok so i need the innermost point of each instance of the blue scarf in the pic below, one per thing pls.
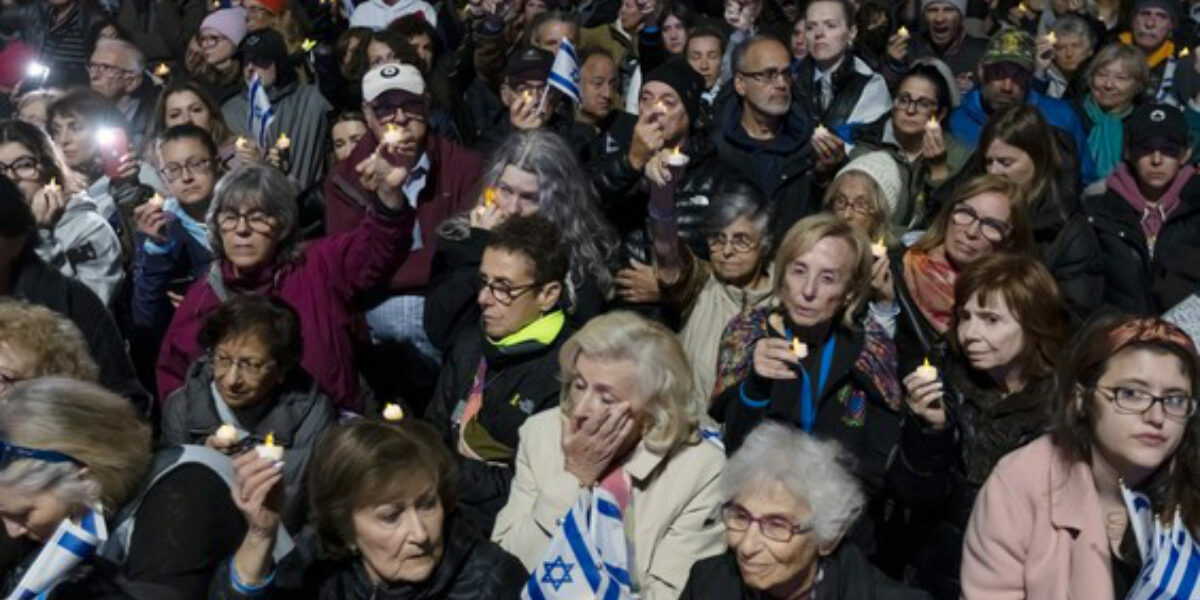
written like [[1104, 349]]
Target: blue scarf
[[1106, 137]]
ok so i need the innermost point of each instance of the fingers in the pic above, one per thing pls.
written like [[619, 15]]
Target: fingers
[[773, 359]]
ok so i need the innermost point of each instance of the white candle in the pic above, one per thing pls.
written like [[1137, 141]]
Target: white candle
[[162, 70], [393, 412], [927, 371], [284, 142], [902, 32], [268, 450], [226, 433], [878, 249], [933, 124], [391, 136], [53, 185], [677, 158]]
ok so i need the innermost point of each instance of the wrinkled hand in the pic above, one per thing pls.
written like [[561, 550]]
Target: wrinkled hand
[[152, 221], [588, 449], [638, 284], [258, 492], [247, 153], [830, 151], [882, 289], [377, 174], [897, 47], [926, 399], [523, 113], [647, 139], [773, 359], [48, 206]]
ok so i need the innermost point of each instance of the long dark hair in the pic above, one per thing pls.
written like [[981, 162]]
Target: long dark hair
[[1055, 170], [220, 130], [51, 164]]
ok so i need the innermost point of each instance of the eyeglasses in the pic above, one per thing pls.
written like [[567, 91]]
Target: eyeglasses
[[1129, 400], [209, 40], [10, 452], [25, 167], [400, 110], [993, 230], [766, 75], [248, 367], [859, 205], [108, 70], [740, 241], [906, 102], [779, 529], [257, 220], [172, 170], [503, 293]]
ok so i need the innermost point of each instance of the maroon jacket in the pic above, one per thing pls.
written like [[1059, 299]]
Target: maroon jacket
[[321, 286], [451, 187]]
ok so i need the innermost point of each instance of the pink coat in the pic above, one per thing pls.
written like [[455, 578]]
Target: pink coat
[[1037, 531]]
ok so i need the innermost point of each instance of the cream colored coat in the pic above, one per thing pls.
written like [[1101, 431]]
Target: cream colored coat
[[675, 502]]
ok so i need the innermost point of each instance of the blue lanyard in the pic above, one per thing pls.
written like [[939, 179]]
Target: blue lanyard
[[808, 404]]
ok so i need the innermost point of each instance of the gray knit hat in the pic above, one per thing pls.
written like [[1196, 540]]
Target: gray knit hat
[[961, 5]]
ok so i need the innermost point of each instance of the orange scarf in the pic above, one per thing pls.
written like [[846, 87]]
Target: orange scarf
[[931, 283], [1165, 51]]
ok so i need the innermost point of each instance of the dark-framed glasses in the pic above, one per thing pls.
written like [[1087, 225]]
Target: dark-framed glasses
[[993, 230], [172, 171], [503, 292], [740, 241], [25, 167], [906, 102], [773, 527], [1134, 401], [767, 75], [257, 220]]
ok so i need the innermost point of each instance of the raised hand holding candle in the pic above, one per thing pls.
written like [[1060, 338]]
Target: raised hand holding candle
[[1050, 37], [268, 450], [933, 124], [391, 135], [308, 44], [227, 434], [53, 185], [927, 371], [878, 249], [393, 413], [162, 70], [902, 32], [1183, 53], [156, 202], [284, 142], [677, 158], [240, 144], [800, 349]]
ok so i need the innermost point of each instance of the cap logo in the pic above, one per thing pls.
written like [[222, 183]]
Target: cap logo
[[1158, 115], [389, 71]]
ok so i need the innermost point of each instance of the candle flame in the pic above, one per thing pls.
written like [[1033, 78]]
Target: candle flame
[[241, 143], [676, 151], [903, 31], [796, 346], [53, 183], [1184, 52], [162, 70], [489, 197], [284, 142], [926, 363], [308, 45], [269, 441], [1050, 37]]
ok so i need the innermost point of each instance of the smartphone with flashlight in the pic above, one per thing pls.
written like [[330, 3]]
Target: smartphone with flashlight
[[113, 145]]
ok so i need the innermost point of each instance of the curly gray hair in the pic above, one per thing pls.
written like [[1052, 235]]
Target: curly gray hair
[[809, 469]]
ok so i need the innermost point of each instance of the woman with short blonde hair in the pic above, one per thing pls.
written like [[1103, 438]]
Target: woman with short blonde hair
[[36, 341]]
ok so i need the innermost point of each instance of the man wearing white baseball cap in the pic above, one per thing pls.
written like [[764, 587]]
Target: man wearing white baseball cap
[[399, 157]]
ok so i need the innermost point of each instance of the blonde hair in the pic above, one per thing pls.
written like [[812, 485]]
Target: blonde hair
[[806, 234], [83, 421], [53, 343], [665, 380]]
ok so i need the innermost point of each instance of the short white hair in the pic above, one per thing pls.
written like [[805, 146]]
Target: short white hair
[[819, 472], [137, 60]]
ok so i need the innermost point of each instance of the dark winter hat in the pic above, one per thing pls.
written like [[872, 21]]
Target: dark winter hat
[[1171, 7], [528, 64], [1156, 127], [263, 47], [686, 82]]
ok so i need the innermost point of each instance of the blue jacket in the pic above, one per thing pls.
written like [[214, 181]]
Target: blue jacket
[[966, 124], [186, 255]]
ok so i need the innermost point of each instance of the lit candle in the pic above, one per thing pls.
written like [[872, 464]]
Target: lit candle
[[902, 32], [879, 249], [677, 158], [528, 95], [1050, 37], [268, 450], [1023, 7], [489, 197], [820, 131], [391, 136], [156, 202], [1184, 52], [800, 349], [308, 44], [927, 371], [932, 123], [53, 185], [241, 143], [284, 142], [227, 434], [162, 70], [392, 412]]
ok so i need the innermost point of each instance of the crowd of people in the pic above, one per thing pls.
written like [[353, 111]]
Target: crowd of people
[[557, 299]]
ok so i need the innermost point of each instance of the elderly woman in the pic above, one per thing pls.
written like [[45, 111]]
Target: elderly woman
[[255, 237], [866, 193], [1116, 79], [77, 461], [1124, 422], [991, 397], [37, 342], [807, 361], [249, 382], [385, 525], [532, 171], [628, 427], [791, 498]]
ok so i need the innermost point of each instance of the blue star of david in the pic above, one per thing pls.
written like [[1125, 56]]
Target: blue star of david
[[557, 565]]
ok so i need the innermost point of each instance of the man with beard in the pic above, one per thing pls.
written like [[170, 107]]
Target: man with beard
[[1005, 74], [945, 38]]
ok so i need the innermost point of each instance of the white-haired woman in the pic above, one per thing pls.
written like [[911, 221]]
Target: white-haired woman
[[73, 451], [628, 426], [790, 499]]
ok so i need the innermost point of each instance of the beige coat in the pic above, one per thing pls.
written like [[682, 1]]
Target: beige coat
[[675, 502]]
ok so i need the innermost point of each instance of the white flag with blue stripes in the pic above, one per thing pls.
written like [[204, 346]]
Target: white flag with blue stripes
[[261, 114], [71, 544], [588, 556], [564, 73], [1170, 555]]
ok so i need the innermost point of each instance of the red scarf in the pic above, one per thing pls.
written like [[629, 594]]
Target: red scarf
[[931, 283]]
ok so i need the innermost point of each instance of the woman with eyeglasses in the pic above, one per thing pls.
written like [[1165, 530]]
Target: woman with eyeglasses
[[249, 379], [992, 396], [110, 517], [791, 499], [1062, 516], [185, 101], [255, 238], [73, 237], [986, 216], [218, 38], [531, 172]]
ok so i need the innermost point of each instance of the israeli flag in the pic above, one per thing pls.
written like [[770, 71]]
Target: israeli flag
[[564, 73], [588, 556], [1170, 556], [69, 546], [261, 114]]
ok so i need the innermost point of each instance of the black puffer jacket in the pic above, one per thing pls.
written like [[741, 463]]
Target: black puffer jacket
[[520, 380], [1137, 279], [846, 575], [936, 474], [625, 193], [472, 568]]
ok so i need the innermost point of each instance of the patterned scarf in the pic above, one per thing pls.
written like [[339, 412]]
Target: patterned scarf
[[931, 282]]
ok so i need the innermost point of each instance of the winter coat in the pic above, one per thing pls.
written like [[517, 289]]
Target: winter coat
[[451, 187], [157, 27], [32, 22], [83, 246], [860, 95], [1138, 279], [471, 568], [320, 285], [938, 473], [845, 575], [521, 380], [301, 112], [673, 500], [160, 267], [299, 413]]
